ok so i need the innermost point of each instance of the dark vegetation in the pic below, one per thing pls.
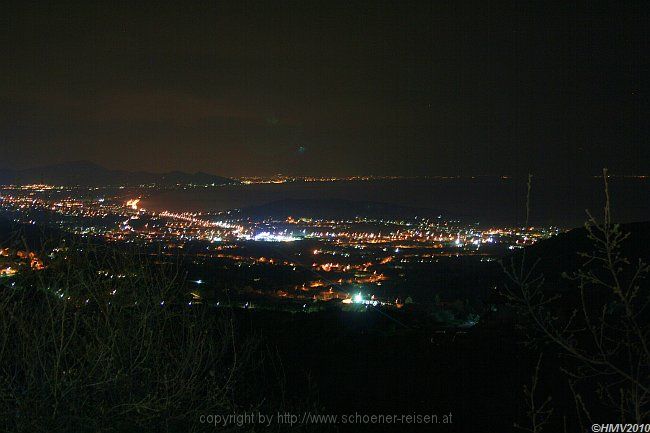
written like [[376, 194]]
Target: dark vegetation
[[122, 362], [593, 324], [85, 347]]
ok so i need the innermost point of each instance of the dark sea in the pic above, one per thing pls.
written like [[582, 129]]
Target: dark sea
[[486, 200]]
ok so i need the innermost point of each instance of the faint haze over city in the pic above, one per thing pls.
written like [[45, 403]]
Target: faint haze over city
[[327, 88]]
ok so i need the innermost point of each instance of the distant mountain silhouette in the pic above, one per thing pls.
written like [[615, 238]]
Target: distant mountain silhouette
[[335, 209], [86, 173]]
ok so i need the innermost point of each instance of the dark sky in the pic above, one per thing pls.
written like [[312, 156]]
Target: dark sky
[[256, 88]]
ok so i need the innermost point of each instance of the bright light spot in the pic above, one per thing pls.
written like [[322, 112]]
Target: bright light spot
[[133, 204], [272, 237]]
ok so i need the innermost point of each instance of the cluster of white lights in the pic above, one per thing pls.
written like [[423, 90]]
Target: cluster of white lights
[[272, 237], [358, 299]]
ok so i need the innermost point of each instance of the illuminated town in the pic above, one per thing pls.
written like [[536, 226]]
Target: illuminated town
[[357, 260]]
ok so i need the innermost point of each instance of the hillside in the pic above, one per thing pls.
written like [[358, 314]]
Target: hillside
[[86, 173], [561, 254]]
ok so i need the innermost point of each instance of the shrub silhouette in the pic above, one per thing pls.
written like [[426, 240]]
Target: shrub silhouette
[[599, 328], [104, 340]]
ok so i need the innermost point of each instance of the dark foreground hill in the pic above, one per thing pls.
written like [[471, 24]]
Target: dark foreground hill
[[562, 254], [85, 173]]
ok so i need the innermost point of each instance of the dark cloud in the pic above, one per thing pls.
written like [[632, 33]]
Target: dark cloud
[[364, 87]]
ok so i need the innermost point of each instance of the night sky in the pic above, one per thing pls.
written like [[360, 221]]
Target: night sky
[[327, 88]]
